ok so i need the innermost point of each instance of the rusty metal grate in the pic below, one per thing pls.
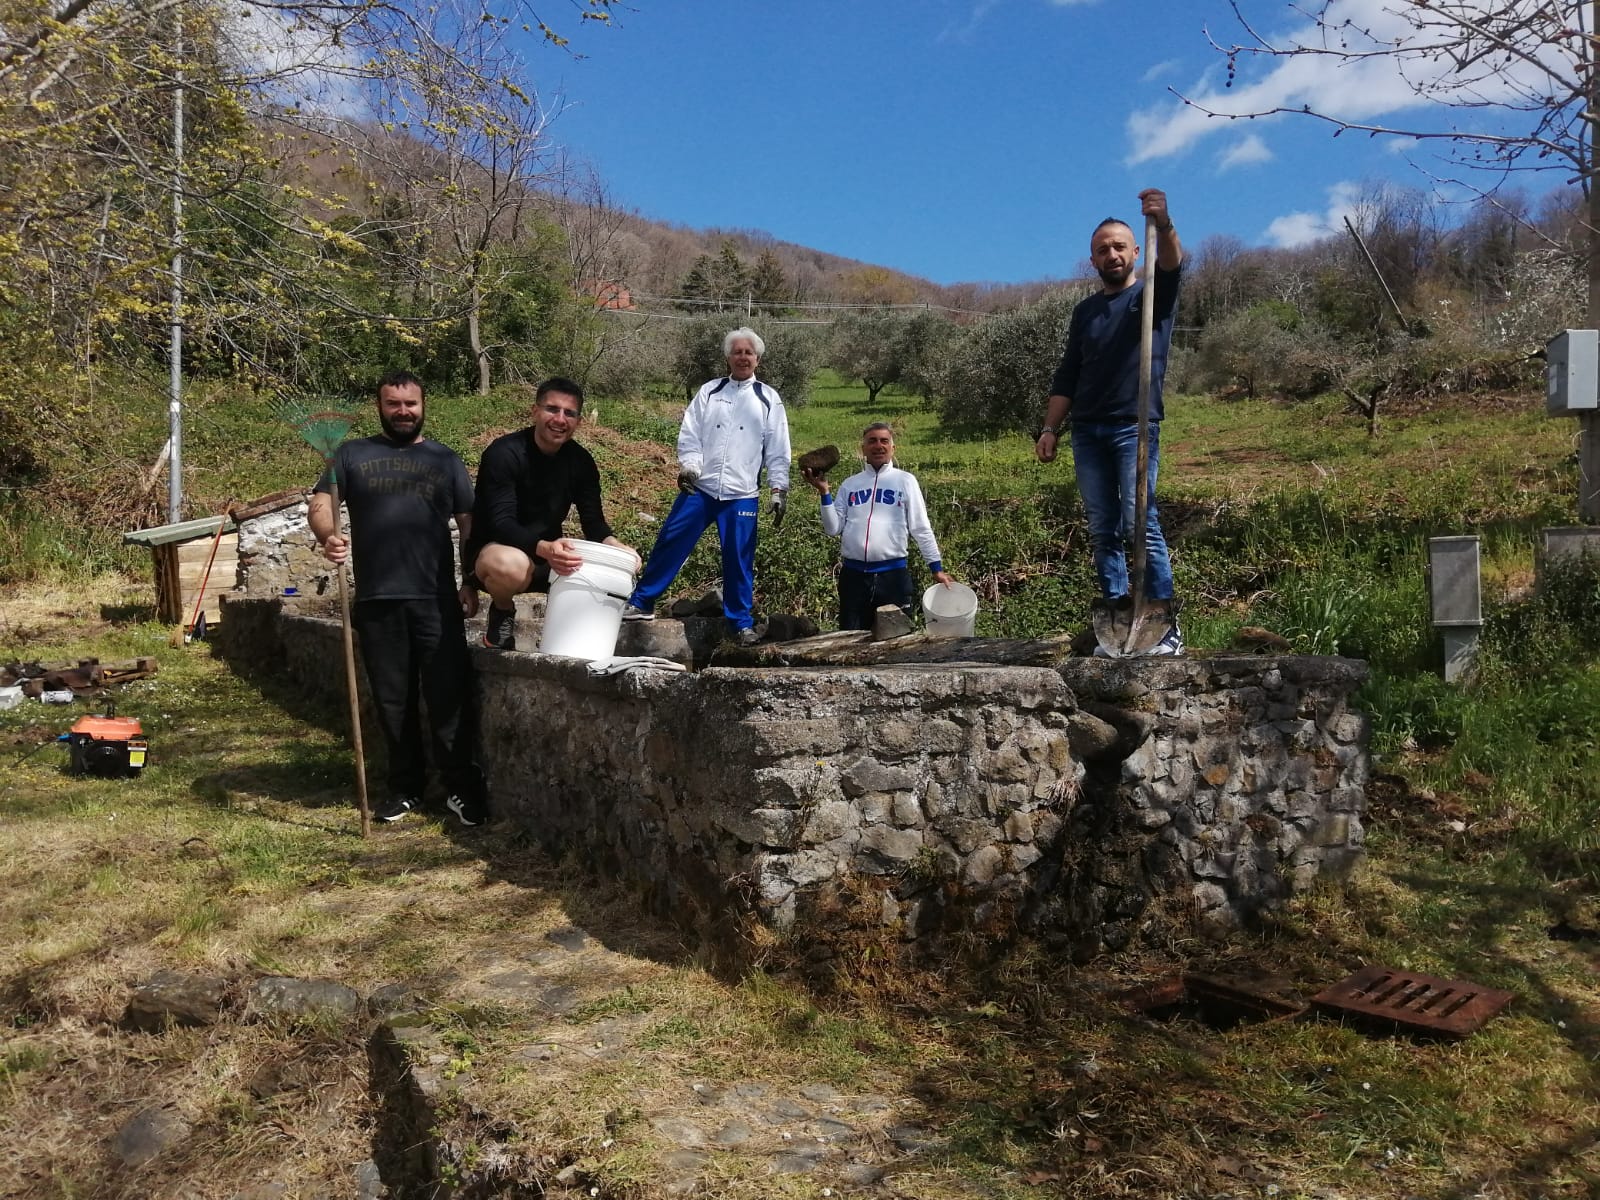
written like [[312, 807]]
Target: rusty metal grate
[[1412, 1001]]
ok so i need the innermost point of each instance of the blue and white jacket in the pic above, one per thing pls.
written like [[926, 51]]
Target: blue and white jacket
[[731, 430], [877, 510]]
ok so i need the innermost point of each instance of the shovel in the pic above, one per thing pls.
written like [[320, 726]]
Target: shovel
[[1133, 624]]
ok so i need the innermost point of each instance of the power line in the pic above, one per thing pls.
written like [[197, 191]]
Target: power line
[[921, 306]]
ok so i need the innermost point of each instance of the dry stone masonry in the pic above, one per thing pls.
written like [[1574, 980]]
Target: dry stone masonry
[[1092, 802]]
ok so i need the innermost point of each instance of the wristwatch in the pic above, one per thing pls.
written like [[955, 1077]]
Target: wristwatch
[[1050, 429]]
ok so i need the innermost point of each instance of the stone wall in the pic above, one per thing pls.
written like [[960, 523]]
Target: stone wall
[[277, 551], [1091, 801]]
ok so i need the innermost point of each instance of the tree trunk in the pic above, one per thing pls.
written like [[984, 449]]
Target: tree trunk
[[475, 337]]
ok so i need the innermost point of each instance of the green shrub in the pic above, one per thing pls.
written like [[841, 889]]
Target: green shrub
[[997, 376]]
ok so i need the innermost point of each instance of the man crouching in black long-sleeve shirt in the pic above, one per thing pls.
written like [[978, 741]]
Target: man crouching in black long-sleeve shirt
[[528, 482]]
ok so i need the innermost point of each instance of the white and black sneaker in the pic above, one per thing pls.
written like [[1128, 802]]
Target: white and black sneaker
[[501, 629], [1170, 646], [634, 613], [396, 808], [469, 810]]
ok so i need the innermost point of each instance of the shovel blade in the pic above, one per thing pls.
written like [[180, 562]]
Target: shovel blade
[[1148, 624], [1113, 622]]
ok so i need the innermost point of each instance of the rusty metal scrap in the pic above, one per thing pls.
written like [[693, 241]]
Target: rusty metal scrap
[[89, 677]]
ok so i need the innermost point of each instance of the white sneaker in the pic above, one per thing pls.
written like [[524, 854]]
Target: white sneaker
[[631, 613], [1170, 646]]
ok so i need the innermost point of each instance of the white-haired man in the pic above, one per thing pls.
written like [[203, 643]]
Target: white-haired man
[[734, 426]]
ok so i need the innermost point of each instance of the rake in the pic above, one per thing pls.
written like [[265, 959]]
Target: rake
[[324, 430]]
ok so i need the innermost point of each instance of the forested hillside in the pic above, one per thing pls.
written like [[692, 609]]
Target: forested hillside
[[289, 197]]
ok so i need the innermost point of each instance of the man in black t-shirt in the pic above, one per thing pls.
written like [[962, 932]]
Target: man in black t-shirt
[[401, 491], [528, 482]]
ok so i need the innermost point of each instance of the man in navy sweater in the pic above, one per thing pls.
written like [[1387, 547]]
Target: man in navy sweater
[[1096, 387]]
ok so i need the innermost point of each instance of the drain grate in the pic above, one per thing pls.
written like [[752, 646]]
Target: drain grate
[[1412, 1001]]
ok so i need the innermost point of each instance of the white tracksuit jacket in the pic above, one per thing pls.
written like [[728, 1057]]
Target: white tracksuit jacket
[[875, 510], [730, 430]]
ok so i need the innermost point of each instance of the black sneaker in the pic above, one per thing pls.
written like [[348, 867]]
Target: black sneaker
[[468, 810], [500, 634], [396, 808]]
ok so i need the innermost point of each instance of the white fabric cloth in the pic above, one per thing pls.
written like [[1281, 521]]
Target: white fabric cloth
[[617, 664], [729, 434], [876, 512]]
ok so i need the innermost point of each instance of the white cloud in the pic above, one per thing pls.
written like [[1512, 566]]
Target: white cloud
[[1246, 153], [299, 65], [962, 32], [1298, 228], [1352, 89], [1165, 67]]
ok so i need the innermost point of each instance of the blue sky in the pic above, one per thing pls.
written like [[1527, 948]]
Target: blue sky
[[960, 139]]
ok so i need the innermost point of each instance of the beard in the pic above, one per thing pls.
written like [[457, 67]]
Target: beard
[[398, 435], [1114, 277]]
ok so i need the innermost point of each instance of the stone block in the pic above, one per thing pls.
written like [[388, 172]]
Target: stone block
[[982, 865], [870, 775], [785, 787], [1348, 727], [1208, 897], [1007, 764], [1348, 800], [1047, 826], [1334, 830], [968, 835], [775, 828], [1019, 827], [831, 821], [1153, 818], [894, 845], [907, 812], [811, 738], [876, 808], [806, 867], [936, 803], [1021, 857], [174, 998]]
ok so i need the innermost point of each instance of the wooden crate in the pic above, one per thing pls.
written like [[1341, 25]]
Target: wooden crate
[[180, 568]]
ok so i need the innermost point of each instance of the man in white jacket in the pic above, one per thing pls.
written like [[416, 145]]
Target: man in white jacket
[[732, 428], [882, 510]]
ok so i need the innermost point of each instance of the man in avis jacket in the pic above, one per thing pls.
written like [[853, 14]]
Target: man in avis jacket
[[732, 428], [882, 509]]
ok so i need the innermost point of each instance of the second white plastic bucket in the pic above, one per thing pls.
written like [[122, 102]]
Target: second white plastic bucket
[[584, 612], [951, 611]]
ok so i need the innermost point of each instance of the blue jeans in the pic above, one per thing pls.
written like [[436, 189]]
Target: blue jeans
[[1105, 458], [690, 517]]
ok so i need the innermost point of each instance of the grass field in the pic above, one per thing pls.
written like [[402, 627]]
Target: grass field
[[235, 854]]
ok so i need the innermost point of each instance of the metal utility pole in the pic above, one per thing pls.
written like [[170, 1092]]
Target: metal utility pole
[[175, 350], [1589, 422]]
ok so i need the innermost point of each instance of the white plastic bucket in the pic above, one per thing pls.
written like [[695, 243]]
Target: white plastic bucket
[[951, 611], [584, 612]]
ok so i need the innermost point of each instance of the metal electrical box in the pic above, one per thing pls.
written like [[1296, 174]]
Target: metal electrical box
[[1572, 372], [1453, 581]]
